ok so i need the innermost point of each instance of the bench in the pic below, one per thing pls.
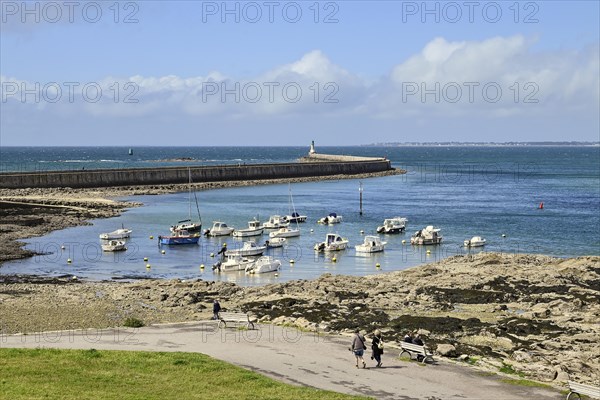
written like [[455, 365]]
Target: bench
[[420, 351], [578, 389], [239, 317]]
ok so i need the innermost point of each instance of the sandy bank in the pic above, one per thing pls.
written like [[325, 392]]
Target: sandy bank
[[535, 313]]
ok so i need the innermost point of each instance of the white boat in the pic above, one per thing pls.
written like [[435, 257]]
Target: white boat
[[219, 229], [235, 262], [276, 222], [475, 241], [428, 235], [122, 233], [255, 228], [275, 242], [333, 242], [295, 217], [332, 218], [392, 225], [264, 264], [187, 224], [114, 245], [250, 248], [285, 233], [371, 244]]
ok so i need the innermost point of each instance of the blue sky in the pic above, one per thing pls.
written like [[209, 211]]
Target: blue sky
[[346, 72]]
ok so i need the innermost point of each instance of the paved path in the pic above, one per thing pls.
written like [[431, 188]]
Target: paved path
[[296, 357]]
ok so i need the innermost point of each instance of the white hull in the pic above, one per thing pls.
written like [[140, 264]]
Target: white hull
[[361, 248], [118, 234], [276, 242], [249, 249], [114, 245], [263, 265], [422, 241], [285, 233], [475, 241], [371, 244], [233, 264], [220, 232], [248, 232]]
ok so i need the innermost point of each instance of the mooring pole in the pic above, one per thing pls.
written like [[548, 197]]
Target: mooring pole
[[360, 192]]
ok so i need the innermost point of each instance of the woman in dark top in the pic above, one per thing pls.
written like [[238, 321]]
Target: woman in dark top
[[377, 347]]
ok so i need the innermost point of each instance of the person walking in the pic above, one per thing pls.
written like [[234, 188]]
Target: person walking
[[358, 348], [377, 347], [216, 309]]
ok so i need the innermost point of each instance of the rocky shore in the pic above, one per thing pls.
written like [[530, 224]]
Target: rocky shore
[[26, 213], [528, 315]]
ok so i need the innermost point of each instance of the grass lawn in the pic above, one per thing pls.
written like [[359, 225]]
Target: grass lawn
[[91, 374]]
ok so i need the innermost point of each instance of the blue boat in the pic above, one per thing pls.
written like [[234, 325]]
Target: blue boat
[[179, 237]]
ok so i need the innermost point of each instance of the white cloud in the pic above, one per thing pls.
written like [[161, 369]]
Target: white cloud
[[562, 82]]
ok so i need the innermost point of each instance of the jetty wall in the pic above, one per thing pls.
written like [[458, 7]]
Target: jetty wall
[[172, 175]]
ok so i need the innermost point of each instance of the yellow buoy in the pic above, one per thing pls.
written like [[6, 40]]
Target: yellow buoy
[[62, 247], [312, 230], [151, 237], [145, 258], [163, 252], [292, 261], [503, 235], [276, 274], [212, 254], [201, 266], [74, 277], [377, 265], [428, 251], [68, 261], [147, 266], [334, 259], [362, 232], [403, 241]]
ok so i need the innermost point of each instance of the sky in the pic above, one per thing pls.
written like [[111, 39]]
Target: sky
[[240, 73]]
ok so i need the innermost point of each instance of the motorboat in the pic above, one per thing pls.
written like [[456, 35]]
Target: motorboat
[[188, 224], [250, 248], [475, 241], [255, 228], [426, 236], [219, 229], [285, 232], [122, 233], [333, 242], [332, 218], [263, 265], [295, 217], [276, 222], [180, 237], [392, 225], [275, 242], [371, 244], [114, 245], [235, 262]]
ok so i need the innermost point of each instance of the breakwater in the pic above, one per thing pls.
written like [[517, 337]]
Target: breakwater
[[199, 174]]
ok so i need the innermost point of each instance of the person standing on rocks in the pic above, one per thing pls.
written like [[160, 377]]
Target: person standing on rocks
[[216, 309], [358, 348], [377, 347]]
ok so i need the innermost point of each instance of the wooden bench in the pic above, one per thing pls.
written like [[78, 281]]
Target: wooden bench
[[239, 317], [420, 351], [578, 389]]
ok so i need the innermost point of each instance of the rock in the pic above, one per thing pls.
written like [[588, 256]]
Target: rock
[[463, 357], [521, 356], [423, 332], [446, 350], [562, 377]]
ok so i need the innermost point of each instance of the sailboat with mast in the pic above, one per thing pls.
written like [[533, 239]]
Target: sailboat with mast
[[187, 224], [287, 231]]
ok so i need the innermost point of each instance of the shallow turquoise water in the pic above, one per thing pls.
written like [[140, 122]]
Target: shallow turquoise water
[[464, 191]]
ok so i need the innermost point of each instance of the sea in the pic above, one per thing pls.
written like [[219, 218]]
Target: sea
[[489, 191]]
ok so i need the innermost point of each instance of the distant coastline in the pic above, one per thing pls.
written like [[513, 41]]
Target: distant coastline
[[484, 144]]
